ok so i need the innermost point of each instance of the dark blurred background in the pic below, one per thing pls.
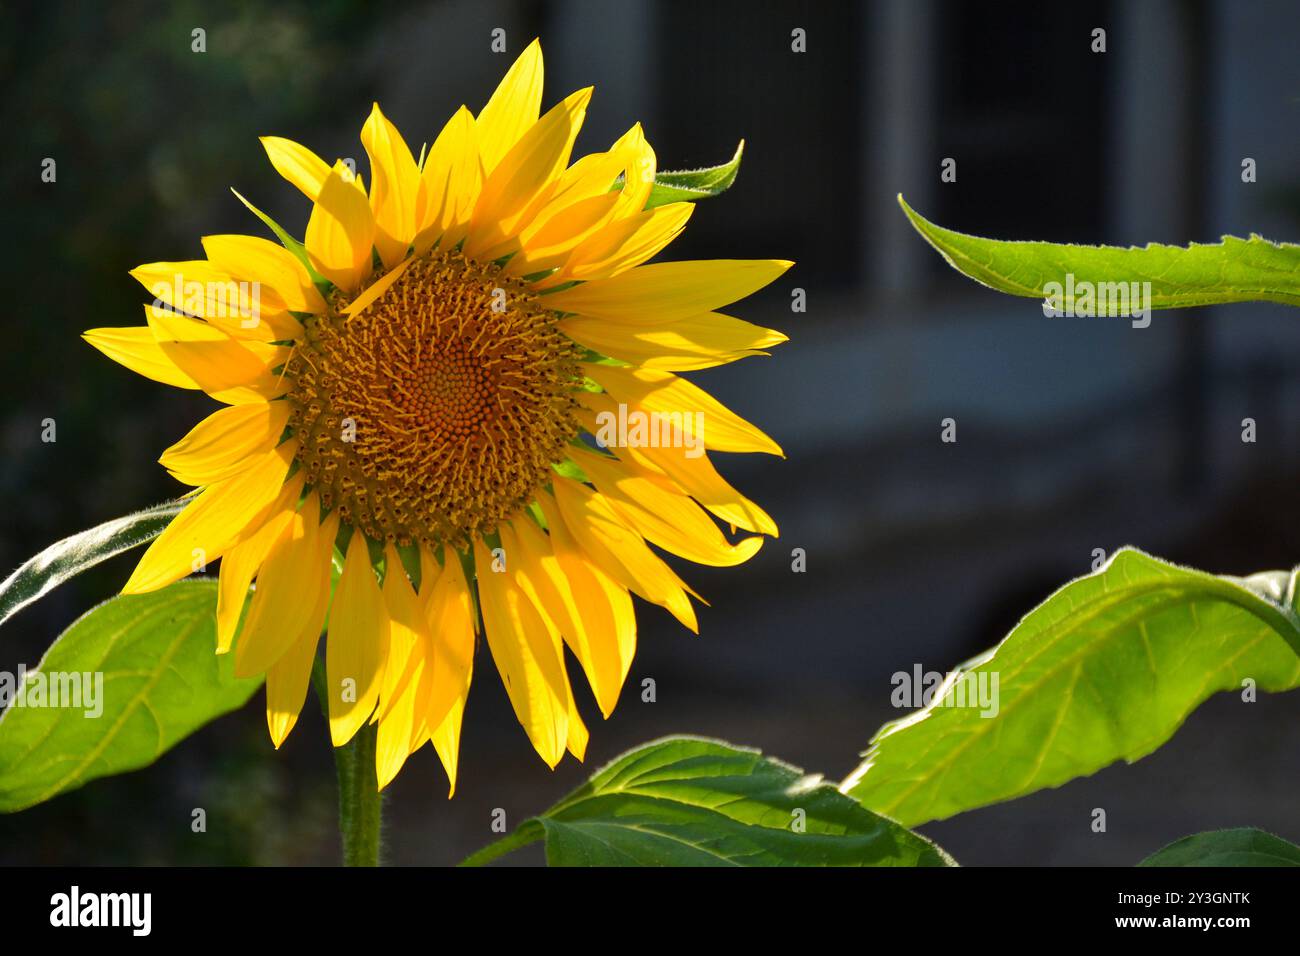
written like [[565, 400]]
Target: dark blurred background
[[1072, 434]]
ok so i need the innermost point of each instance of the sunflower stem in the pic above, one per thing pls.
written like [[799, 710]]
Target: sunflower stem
[[360, 803]]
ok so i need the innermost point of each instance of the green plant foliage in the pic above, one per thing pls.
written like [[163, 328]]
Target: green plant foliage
[[687, 801], [64, 559], [161, 682], [688, 185], [1246, 846], [1105, 669], [1235, 270]]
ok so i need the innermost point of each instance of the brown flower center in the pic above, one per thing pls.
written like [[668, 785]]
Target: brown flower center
[[437, 411]]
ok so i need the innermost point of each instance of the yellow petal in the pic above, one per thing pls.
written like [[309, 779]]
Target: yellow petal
[[703, 341], [394, 187], [417, 670], [671, 520], [377, 288], [640, 173], [137, 349], [668, 291], [587, 197], [286, 681], [449, 183], [212, 522], [527, 654], [393, 744], [694, 474], [288, 587], [689, 408], [430, 571], [549, 246], [341, 231], [582, 201], [399, 688], [260, 260], [593, 175], [354, 653], [242, 561], [298, 164], [232, 371], [446, 740], [393, 738], [616, 548], [451, 625], [235, 306], [225, 442], [286, 685], [576, 742], [406, 630], [513, 108], [625, 244], [516, 189], [593, 613]]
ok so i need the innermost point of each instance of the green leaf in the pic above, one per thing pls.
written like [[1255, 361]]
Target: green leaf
[[40, 575], [1105, 669], [161, 681], [1235, 270], [1245, 846], [687, 801], [689, 185]]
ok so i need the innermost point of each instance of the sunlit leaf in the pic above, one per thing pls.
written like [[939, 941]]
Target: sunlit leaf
[[686, 801], [1106, 669], [64, 559], [153, 677], [688, 185], [1234, 270]]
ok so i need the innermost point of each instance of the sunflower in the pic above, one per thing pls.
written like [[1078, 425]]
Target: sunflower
[[420, 385]]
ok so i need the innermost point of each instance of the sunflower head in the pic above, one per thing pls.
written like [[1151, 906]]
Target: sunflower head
[[437, 411], [463, 380]]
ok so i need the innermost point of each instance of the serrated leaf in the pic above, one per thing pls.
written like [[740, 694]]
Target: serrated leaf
[[161, 682], [1106, 669], [690, 185], [1234, 270], [687, 801], [1245, 846], [64, 559]]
